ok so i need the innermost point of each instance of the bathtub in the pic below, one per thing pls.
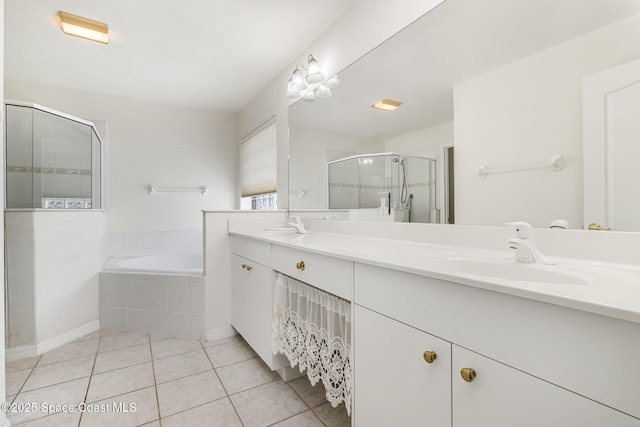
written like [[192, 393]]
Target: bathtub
[[153, 294], [161, 263]]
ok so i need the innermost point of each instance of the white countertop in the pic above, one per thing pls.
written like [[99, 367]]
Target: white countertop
[[602, 288]]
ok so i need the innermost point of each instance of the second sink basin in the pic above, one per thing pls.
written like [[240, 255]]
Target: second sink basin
[[508, 270]]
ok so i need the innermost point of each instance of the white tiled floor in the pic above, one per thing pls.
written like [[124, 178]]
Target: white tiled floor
[[172, 382]]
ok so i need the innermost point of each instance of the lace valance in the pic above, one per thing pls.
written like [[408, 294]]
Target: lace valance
[[313, 329]]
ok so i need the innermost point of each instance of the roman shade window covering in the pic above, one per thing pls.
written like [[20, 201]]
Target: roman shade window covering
[[258, 169]]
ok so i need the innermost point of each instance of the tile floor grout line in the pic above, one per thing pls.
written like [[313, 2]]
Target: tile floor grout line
[[26, 379], [306, 403], [222, 384], [95, 360], [197, 406], [155, 382]]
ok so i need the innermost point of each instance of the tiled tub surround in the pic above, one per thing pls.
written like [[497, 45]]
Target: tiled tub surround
[[160, 304], [173, 382], [151, 242]]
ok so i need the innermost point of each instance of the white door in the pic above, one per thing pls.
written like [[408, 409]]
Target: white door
[[611, 135]]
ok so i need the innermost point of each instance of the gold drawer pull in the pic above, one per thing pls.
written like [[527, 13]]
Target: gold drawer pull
[[300, 265], [429, 356], [468, 374]]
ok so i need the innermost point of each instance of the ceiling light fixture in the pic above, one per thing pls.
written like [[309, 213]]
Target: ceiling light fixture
[[387, 104], [303, 77], [85, 28]]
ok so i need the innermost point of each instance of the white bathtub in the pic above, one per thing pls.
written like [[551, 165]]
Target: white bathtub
[[162, 263], [153, 294]]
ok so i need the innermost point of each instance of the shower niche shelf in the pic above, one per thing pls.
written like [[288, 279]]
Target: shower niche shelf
[[53, 159]]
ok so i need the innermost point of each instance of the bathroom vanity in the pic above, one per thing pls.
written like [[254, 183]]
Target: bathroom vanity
[[446, 335]]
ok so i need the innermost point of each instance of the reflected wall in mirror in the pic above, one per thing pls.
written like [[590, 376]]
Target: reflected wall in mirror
[[499, 80]]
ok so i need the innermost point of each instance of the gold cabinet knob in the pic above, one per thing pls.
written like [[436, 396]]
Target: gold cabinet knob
[[300, 265], [594, 226], [429, 356], [468, 374]]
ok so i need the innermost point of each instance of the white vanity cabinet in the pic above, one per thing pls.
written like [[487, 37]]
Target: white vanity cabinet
[[402, 375], [534, 363], [252, 285]]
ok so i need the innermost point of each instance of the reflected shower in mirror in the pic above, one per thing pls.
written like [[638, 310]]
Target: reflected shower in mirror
[[500, 81], [383, 186]]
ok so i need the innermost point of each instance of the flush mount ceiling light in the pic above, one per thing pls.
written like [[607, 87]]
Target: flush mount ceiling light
[[302, 77], [387, 104], [86, 28]]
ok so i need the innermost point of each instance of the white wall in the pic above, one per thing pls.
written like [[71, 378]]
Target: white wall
[[54, 260], [423, 142], [525, 112], [217, 308], [364, 26], [153, 143]]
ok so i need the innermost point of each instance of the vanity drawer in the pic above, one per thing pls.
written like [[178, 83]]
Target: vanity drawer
[[255, 250], [330, 274]]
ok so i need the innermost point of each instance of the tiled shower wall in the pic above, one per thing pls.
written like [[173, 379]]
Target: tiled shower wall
[[157, 304]]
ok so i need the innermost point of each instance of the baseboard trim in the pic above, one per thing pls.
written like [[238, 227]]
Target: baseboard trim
[[219, 333], [75, 333], [24, 351]]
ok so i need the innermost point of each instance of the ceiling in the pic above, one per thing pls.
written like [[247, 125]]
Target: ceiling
[[214, 54], [457, 41]]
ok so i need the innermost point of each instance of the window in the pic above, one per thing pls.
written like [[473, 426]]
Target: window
[[258, 169]]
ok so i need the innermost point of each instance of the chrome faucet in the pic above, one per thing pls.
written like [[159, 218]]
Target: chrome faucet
[[523, 245], [298, 225]]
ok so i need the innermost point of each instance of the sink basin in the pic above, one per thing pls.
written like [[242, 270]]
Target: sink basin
[[508, 270]]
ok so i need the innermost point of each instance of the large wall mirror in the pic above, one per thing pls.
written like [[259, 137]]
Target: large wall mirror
[[492, 92]]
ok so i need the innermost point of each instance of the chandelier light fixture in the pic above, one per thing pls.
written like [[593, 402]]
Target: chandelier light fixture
[[309, 83]]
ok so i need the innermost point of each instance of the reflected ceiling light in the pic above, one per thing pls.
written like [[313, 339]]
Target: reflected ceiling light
[[322, 91], [313, 75], [387, 104], [309, 96], [303, 76], [332, 82], [86, 28]]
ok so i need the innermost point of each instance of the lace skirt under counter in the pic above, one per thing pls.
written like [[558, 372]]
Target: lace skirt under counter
[[313, 329]]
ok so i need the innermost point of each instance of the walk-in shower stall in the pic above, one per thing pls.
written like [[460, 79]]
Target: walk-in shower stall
[[53, 227], [407, 182], [52, 159]]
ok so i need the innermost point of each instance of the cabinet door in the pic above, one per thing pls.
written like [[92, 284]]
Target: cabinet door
[[240, 310], [503, 396], [252, 307], [394, 384]]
